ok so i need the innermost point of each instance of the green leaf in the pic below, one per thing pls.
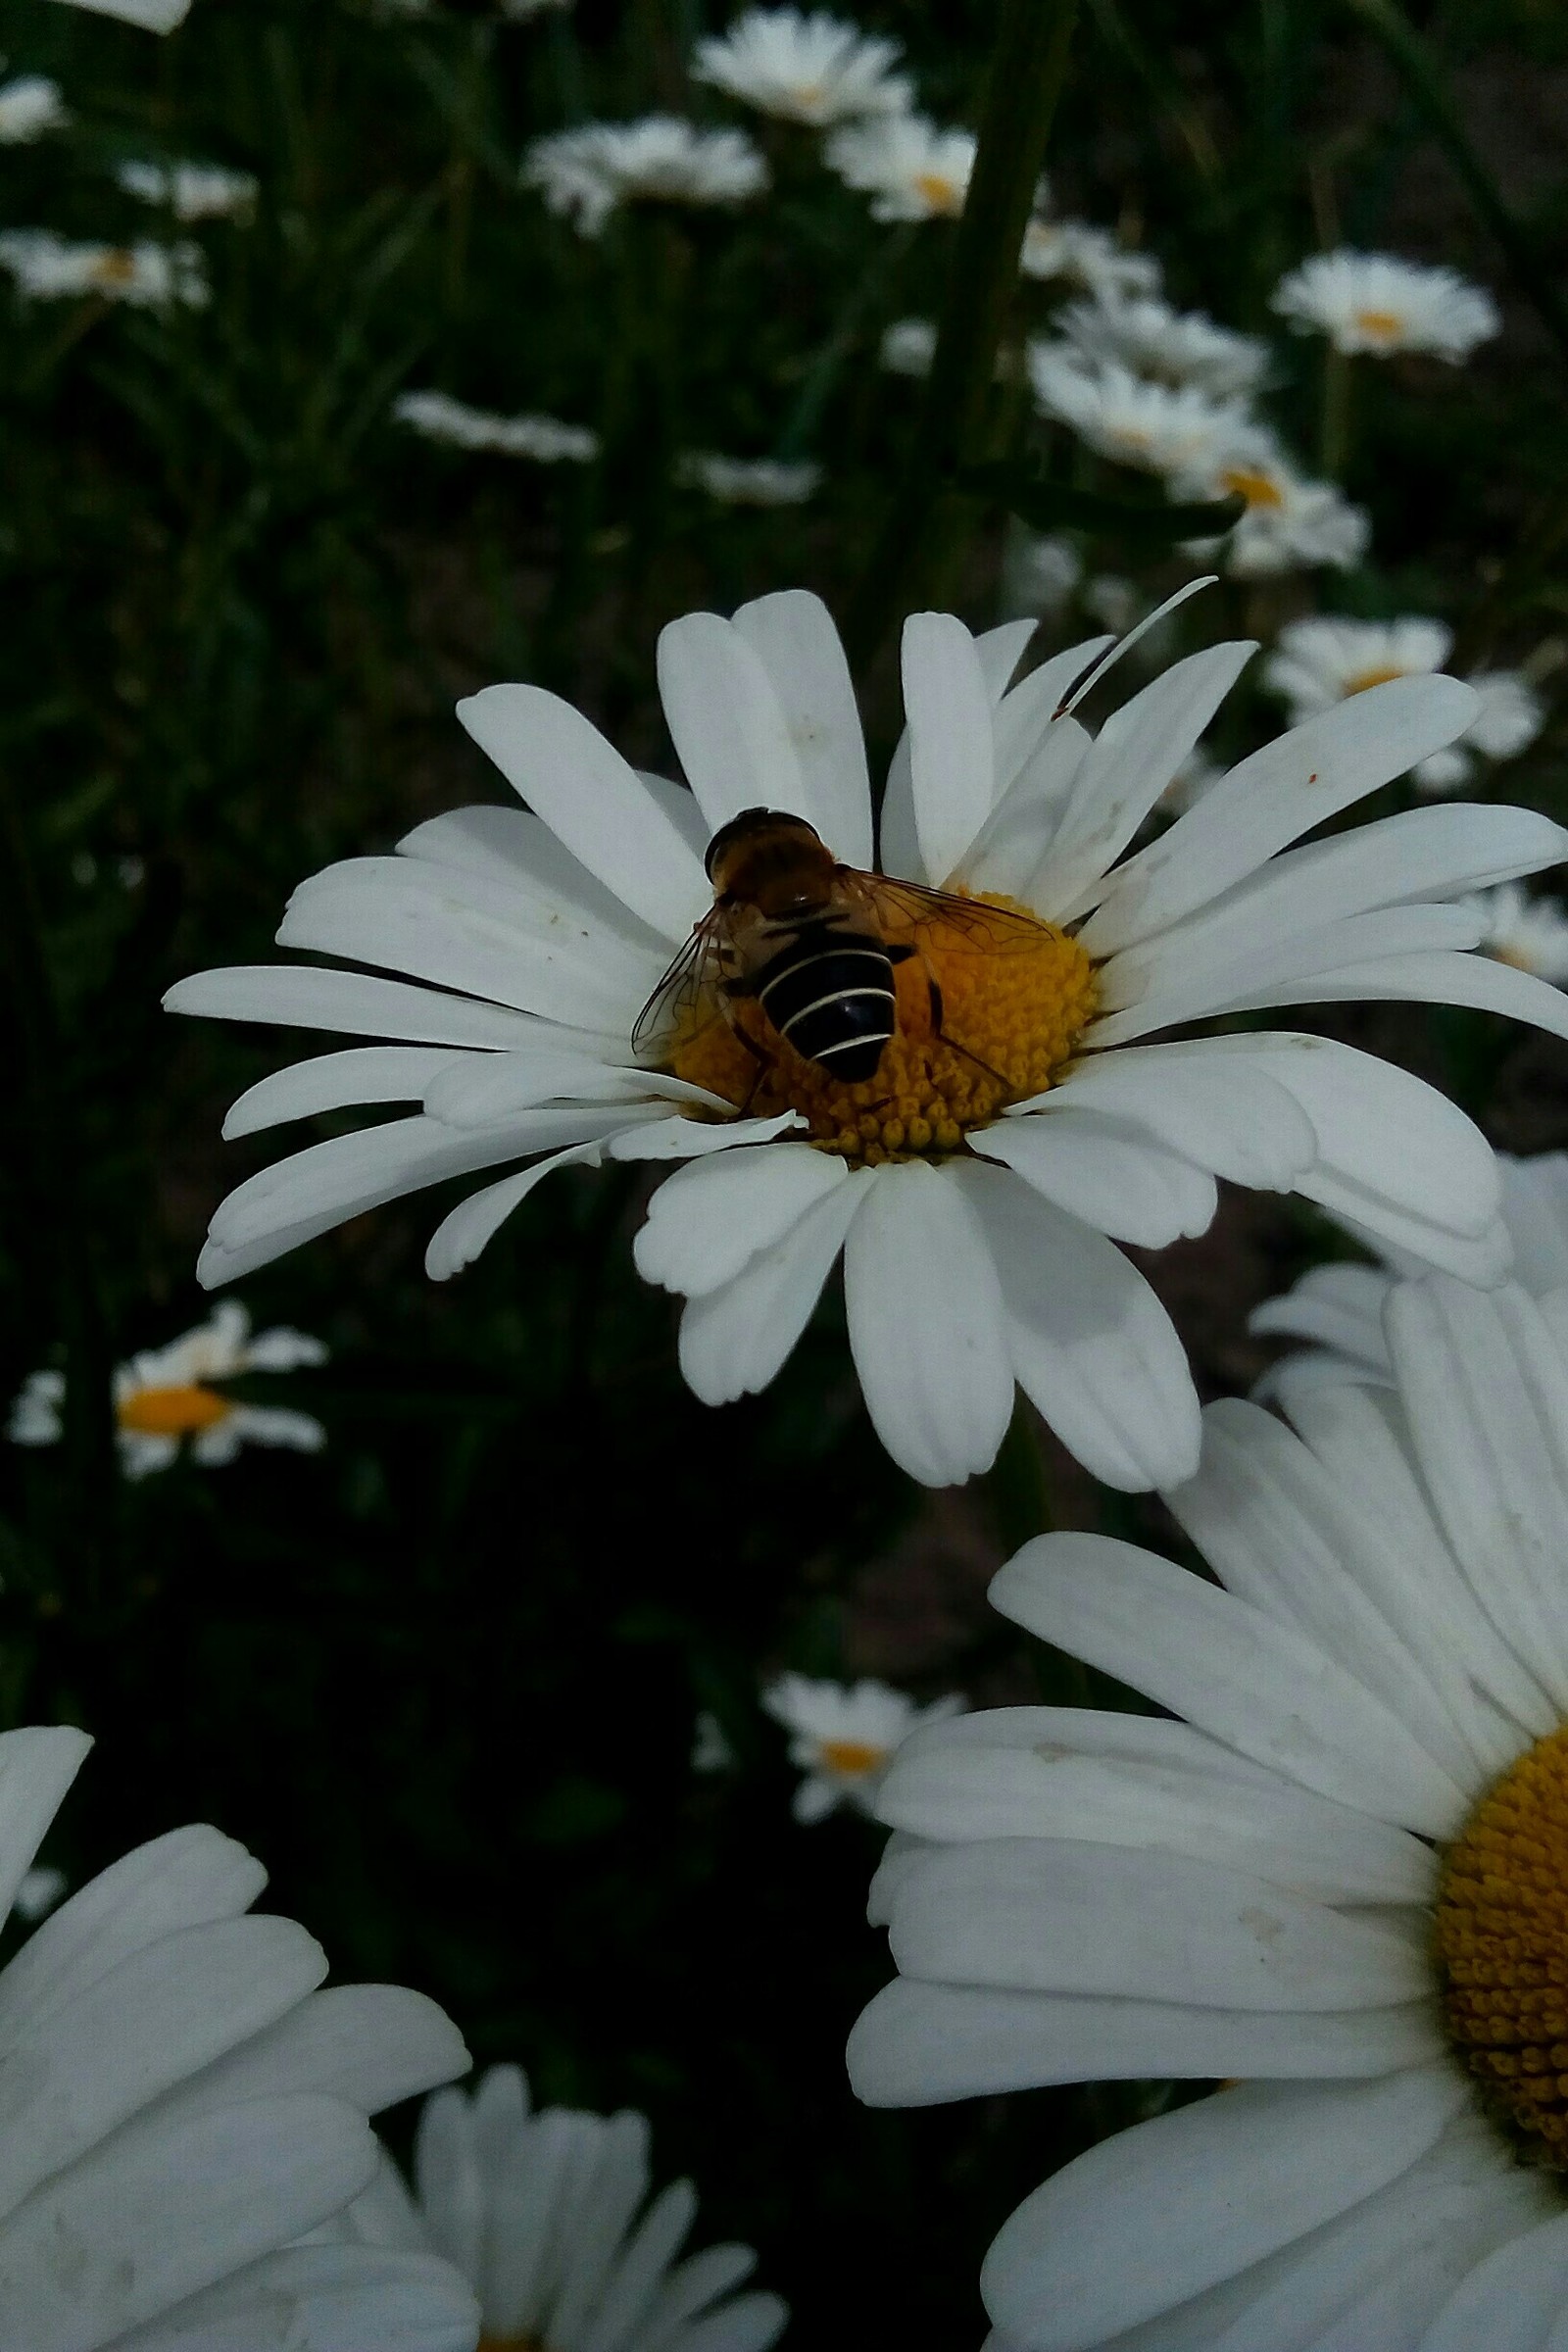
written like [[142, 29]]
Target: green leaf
[[1049, 506]]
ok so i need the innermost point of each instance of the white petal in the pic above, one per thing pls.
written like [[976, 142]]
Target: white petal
[[1514, 2301], [480, 1090], [639, 2269], [706, 1220], [1296, 782], [792, 634], [1262, 1686], [951, 769], [1059, 1915], [1027, 717], [684, 1138], [725, 721], [299, 997], [1438, 978], [750, 2324], [591, 800], [734, 1340], [323, 2298], [1135, 756], [1156, 2215], [370, 2045], [156, 2214], [470, 1227], [335, 1080], [920, 2043], [1338, 1307], [926, 1324], [1221, 1110], [1011, 844], [1100, 1168], [1091, 1343]]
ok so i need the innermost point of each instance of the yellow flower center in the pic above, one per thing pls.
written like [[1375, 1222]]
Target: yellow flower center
[[938, 192], [114, 269], [1379, 675], [171, 1412], [853, 1757], [1380, 325], [1014, 1007], [1502, 1946], [1257, 488]]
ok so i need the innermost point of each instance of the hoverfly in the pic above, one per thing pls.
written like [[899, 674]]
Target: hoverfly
[[814, 944]]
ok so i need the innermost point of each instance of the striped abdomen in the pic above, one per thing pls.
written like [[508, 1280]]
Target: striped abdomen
[[831, 994]]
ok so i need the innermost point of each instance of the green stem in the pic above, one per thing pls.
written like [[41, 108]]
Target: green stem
[[1028, 66], [799, 429], [1423, 79]]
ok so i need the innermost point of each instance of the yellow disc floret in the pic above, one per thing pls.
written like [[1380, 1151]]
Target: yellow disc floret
[[171, 1412], [1013, 1003], [854, 1758], [1502, 1946]]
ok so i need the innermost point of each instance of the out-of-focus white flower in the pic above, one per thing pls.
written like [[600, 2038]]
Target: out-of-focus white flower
[[749, 481], [1162, 428], [1373, 302], [1320, 660], [843, 1736], [50, 268], [153, 16], [586, 174], [186, 2136], [1116, 604], [190, 191], [907, 346], [1170, 345], [30, 106], [166, 1395], [1040, 572], [1289, 523], [1078, 254], [806, 68], [547, 2214], [712, 1751], [1531, 934], [546, 439], [912, 169]]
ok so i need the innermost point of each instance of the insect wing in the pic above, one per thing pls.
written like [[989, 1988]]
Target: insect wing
[[691, 975], [904, 910]]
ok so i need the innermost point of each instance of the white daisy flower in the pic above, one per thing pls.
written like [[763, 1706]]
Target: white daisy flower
[[153, 16], [1169, 346], [749, 481], [1338, 1308], [31, 106], [908, 346], [546, 439], [1016, 1124], [912, 169], [185, 2129], [547, 2213], [1373, 302], [843, 1737], [1320, 660], [190, 191], [1081, 255], [166, 1395], [1169, 429], [48, 266], [587, 174], [1336, 1881], [1289, 523], [804, 69]]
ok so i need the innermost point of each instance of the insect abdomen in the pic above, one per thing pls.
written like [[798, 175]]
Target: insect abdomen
[[835, 1003]]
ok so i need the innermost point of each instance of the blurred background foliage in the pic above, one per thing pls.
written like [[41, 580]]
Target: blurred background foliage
[[444, 1675]]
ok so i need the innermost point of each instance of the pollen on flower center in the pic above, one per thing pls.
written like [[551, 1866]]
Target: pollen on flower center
[[1502, 1946], [171, 1412], [853, 1757], [1257, 488], [1011, 1015]]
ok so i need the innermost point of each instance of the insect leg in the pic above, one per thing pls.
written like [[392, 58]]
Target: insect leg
[[934, 995]]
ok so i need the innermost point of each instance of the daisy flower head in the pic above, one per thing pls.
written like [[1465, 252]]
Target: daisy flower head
[[1321, 660], [1169, 429], [186, 2136], [1509, 719], [31, 106], [811, 69], [153, 16], [749, 481], [547, 440], [1171, 347], [167, 1395], [1076, 253], [190, 191], [981, 1119], [1373, 302], [49, 268], [843, 1736], [1288, 523], [908, 346], [1338, 1309], [586, 174], [912, 169], [547, 2213], [1333, 1875]]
